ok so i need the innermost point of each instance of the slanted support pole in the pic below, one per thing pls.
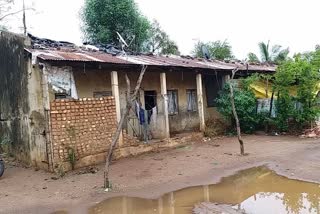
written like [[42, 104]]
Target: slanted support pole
[[200, 103], [116, 95], [163, 84]]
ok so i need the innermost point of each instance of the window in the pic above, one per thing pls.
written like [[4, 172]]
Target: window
[[173, 101], [58, 96], [99, 94], [191, 100], [213, 84]]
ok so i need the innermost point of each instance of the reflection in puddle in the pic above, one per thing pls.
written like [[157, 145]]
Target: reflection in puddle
[[256, 190]]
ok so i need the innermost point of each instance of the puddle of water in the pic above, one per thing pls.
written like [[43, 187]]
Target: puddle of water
[[256, 191]]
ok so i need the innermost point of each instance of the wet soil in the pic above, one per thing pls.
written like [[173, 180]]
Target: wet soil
[[152, 175], [256, 190]]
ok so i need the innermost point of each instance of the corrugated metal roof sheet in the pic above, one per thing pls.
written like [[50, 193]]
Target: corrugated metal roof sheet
[[88, 56]]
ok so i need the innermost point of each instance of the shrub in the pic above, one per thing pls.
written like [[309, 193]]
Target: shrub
[[293, 113], [245, 103], [297, 111]]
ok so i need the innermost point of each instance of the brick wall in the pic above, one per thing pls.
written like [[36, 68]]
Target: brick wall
[[84, 126]]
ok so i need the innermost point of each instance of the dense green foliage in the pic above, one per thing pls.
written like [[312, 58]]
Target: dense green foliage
[[293, 113], [159, 41], [303, 73], [245, 103], [220, 50], [104, 18]]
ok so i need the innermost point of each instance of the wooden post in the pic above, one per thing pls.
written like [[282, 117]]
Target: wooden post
[[130, 99], [163, 83], [200, 102], [46, 107], [116, 95], [235, 113]]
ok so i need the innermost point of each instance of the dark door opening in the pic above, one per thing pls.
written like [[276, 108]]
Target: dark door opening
[[150, 100]]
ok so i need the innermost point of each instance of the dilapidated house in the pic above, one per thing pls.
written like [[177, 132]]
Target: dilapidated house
[[60, 104]]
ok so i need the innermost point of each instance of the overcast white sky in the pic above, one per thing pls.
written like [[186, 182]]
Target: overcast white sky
[[244, 23]]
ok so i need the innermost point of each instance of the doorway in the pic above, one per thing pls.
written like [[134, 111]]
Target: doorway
[[150, 99]]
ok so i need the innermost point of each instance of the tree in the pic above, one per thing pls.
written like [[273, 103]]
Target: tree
[[6, 11], [219, 50], [159, 41], [245, 102], [303, 73], [253, 57], [102, 19], [235, 114], [131, 98], [268, 54]]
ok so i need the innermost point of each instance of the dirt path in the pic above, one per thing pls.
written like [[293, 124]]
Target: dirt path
[[151, 175]]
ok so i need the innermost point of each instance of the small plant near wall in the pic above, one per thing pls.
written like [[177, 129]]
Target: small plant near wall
[[60, 170], [5, 145], [71, 131], [72, 157]]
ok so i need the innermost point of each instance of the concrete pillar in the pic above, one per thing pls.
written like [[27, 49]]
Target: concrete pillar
[[163, 85], [206, 193], [115, 92], [171, 203], [124, 205], [200, 102], [116, 95], [160, 205]]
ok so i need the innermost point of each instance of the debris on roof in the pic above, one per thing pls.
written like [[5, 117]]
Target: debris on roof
[[106, 48], [50, 50], [39, 43]]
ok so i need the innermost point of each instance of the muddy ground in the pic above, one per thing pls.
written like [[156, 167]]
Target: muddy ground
[[151, 175]]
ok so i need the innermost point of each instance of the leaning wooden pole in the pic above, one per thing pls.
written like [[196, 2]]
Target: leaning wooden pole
[[115, 139], [235, 113]]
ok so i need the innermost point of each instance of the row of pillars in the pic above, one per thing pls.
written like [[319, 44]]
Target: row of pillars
[[163, 85]]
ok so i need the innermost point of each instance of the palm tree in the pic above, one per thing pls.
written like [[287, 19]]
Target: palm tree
[[269, 55]]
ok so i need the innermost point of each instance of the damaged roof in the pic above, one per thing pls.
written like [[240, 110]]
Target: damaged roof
[[49, 50]]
